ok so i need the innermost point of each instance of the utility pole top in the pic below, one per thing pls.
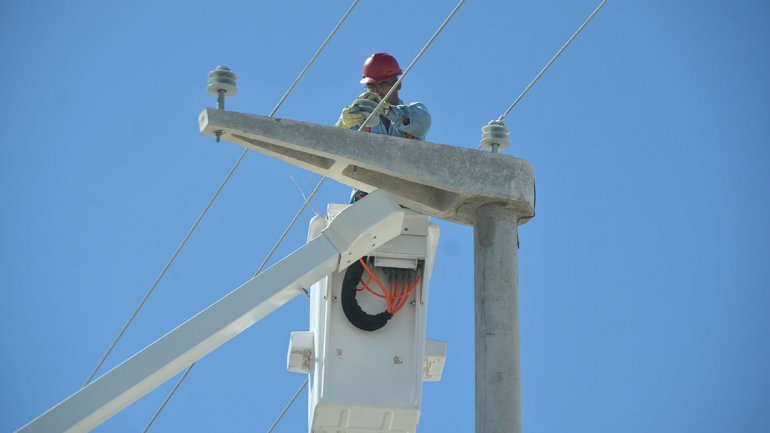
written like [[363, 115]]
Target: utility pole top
[[439, 180]]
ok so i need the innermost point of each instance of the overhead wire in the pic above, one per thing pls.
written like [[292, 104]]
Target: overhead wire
[[168, 397], [550, 62], [288, 405], [235, 167], [216, 195], [553, 59], [323, 179], [395, 85]]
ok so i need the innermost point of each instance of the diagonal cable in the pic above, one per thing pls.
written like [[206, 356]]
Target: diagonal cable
[[288, 405], [165, 269], [264, 262], [553, 59], [550, 62], [409, 68], [216, 195], [168, 397]]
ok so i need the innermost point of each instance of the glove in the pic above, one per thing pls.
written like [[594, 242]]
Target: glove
[[368, 101], [376, 98], [356, 113], [351, 116]]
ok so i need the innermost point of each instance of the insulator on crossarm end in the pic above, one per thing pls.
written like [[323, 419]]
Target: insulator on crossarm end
[[222, 84], [495, 136]]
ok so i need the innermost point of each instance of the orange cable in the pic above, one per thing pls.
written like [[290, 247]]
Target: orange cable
[[376, 280], [364, 285], [405, 296], [396, 295]]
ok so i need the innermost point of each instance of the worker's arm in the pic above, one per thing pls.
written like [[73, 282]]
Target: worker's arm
[[411, 118]]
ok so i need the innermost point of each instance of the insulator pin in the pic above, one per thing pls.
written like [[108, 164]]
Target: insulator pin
[[222, 85], [495, 136]]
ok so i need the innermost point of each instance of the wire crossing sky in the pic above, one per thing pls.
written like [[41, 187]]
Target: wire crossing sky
[[208, 206], [643, 300]]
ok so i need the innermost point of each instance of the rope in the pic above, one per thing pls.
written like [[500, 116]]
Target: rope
[[323, 179], [553, 59], [302, 193]]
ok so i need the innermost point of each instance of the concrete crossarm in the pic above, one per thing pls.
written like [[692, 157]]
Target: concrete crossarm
[[444, 181]]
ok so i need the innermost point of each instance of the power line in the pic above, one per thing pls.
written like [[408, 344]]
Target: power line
[[289, 227], [296, 217], [288, 405], [216, 195], [264, 262], [553, 59], [315, 56], [165, 269], [170, 394], [409, 68]]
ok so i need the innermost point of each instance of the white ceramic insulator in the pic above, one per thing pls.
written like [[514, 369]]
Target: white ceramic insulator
[[495, 135], [222, 78]]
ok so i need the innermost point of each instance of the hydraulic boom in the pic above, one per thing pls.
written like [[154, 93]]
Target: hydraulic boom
[[355, 232]]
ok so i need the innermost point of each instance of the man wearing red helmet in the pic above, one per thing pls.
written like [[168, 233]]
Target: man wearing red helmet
[[380, 73]]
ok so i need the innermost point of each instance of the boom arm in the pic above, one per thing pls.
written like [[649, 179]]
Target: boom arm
[[359, 229]]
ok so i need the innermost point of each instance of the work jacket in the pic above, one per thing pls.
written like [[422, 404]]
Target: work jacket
[[417, 126]]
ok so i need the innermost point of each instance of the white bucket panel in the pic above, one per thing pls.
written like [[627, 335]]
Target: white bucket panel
[[370, 381]]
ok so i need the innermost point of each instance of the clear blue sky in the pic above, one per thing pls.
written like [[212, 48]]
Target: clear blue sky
[[643, 278]]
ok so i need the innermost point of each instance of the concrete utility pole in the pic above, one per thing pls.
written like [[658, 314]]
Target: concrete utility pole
[[493, 192], [498, 375]]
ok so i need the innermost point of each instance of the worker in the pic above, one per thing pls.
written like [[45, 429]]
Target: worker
[[380, 73]]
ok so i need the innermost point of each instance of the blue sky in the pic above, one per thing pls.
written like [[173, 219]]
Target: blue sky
[[644, 294]]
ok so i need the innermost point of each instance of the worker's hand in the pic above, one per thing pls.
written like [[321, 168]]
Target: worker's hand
[[385, 107], [351, 116], [361, 109], [356, 113], [368, 101]]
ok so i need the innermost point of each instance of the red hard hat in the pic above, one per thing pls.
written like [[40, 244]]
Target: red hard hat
[[380, 67]]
